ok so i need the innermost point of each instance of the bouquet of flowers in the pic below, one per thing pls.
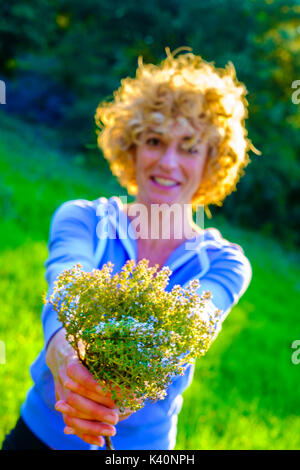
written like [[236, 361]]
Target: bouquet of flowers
[[131, 334]]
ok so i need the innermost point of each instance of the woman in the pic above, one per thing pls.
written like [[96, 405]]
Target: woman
[[174, 136]]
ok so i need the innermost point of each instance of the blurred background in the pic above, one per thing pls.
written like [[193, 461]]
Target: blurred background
[[58, 60]]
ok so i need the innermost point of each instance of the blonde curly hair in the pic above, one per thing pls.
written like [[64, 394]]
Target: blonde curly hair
[[209, 101]]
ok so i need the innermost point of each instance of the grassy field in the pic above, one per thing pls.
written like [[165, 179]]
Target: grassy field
[[245, 394]]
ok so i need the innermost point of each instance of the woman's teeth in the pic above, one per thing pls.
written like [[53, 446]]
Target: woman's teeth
[[164, 182]]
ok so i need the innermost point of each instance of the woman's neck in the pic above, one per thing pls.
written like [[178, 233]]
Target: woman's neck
[[162, 224]]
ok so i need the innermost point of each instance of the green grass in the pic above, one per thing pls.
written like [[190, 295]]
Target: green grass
[[246, 390], [245, 393]]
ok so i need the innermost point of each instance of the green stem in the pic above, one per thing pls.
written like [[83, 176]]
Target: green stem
[[108, 443]]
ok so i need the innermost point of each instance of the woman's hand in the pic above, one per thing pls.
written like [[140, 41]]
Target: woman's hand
[[87, 411]]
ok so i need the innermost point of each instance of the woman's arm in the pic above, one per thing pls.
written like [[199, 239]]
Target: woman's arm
[[87, 411], [71, 241], [227, 278]]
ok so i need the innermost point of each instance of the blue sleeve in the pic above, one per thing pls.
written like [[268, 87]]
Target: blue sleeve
[[227, 278], [71, 241]]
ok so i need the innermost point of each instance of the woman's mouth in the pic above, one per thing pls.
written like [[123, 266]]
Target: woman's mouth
[[164, 183]]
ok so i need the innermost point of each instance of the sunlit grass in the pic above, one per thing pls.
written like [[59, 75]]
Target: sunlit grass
[[245, 393], [246, 390]]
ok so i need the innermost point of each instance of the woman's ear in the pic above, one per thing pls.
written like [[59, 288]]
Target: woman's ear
[[212, 151]]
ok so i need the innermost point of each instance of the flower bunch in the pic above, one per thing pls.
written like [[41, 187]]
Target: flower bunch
[[130, 332]]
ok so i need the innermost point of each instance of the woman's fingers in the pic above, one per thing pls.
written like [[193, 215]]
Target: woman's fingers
[[88, 393], [92, 410], [84, 381], [84, 427], [63, 407], [94, 440], [93, 428], [79, 373]]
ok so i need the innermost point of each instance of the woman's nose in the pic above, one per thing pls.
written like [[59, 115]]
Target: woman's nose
[[169, 158]]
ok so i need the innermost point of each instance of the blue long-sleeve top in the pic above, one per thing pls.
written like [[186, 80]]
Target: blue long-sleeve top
[[93, 233]]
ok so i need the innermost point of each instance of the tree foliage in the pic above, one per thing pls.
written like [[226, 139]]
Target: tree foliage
[[88, 47]]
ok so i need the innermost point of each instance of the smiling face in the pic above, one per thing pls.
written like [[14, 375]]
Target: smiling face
[[168, 167]]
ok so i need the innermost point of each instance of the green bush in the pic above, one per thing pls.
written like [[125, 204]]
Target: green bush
[[88, 47]]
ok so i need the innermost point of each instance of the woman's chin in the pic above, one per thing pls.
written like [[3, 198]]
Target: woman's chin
[[159, 199], [160, 195]]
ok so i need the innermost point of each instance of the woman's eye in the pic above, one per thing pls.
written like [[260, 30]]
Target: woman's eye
[[193, 150], [190, 147], [153, 141]]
